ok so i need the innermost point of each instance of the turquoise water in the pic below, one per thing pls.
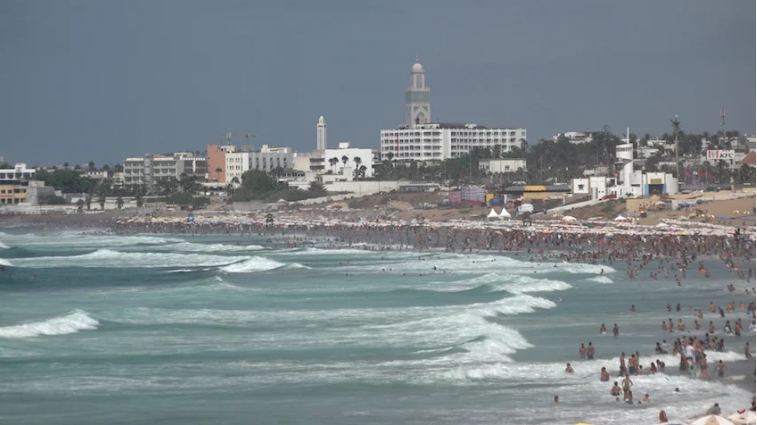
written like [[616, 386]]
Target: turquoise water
[[229, 330]]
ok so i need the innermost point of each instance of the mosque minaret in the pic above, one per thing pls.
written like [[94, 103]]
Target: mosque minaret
[[417, 99]]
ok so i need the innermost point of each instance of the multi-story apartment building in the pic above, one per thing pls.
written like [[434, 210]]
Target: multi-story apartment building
[[148, 169], [267, 159], [14, 184], [440, 141]]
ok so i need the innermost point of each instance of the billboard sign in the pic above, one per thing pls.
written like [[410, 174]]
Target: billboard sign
[[717, 155]]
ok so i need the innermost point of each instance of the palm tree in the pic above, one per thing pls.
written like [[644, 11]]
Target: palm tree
[[316, 186], [139, 198], [120, 202], [80, 206], [333, 161], [101, 200], [358, 161], [88, 200], [91, 166], [218, 172], [390, 156], [746, 174], [362, 170], [345, 159]]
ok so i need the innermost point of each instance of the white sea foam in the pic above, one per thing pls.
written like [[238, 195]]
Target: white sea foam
[[513, 283], [3, 246], [110, 258], [209, 248], [4, 262], [525, 284], [254, 264], [297, 266], [82, 240], [76, 321], [600, 279]]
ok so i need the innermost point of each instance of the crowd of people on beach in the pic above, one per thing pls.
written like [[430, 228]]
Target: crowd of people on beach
[[656, 257]]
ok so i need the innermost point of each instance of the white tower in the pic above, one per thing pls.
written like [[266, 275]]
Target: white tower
[[320, 142], [417, 101]]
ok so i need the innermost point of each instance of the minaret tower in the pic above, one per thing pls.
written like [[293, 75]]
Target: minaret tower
[[320, 135], [417, 101]]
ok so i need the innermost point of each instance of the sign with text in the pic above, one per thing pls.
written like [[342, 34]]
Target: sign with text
[[720, 154]]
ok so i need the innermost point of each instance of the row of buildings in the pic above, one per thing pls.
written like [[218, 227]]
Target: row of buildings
[[418, 139]]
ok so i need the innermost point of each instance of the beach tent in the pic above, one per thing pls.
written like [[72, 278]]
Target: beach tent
[[620, 218], [504, 214], [711, 420], [492, 214], [569, 219], [743, 417]]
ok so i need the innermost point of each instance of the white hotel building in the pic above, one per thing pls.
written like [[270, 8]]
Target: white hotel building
[[422, 140]]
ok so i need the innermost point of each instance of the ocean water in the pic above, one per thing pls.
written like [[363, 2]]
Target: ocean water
[[231, 330]]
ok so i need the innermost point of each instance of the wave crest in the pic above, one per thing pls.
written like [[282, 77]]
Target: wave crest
[[77, 320]]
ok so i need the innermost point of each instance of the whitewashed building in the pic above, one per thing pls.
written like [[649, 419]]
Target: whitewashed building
[[267, 159], [575, 137], [505, 165], [147, 169], [440, 141], [420, 139], [345, 150]]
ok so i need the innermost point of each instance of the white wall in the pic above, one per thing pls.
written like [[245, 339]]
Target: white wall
[[366, 158], [363, 187], [236, 165], [502, 165], [580, 186]]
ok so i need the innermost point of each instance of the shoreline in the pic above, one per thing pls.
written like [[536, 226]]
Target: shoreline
[[625, 249]]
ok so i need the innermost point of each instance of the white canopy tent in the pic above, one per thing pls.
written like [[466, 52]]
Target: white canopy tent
[[620, 218], [492, 214], [504, 214], [743, 417]]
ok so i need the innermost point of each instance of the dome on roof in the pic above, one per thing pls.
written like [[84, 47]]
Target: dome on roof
[[417, 67]]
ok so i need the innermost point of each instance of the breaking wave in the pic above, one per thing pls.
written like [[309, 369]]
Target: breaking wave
[[254, 264], [78, 320], [110, 258]]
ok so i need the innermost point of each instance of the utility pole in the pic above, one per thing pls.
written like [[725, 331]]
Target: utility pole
[[676, 128], [722, 124]]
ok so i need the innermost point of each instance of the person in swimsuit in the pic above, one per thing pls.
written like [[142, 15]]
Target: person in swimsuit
[[615, 391], [569, 369], [604, 375], [721, 368], [590, 351]]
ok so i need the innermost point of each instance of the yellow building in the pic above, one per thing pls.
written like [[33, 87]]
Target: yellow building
[[11, 194]]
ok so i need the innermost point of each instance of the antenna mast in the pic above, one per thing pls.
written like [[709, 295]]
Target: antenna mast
[[722, 124]]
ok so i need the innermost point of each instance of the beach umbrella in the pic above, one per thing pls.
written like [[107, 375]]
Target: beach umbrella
[[743, 417], [569, 219], [711, 420]]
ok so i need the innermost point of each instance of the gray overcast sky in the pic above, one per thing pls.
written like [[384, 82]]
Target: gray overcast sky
[[101, 80]]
